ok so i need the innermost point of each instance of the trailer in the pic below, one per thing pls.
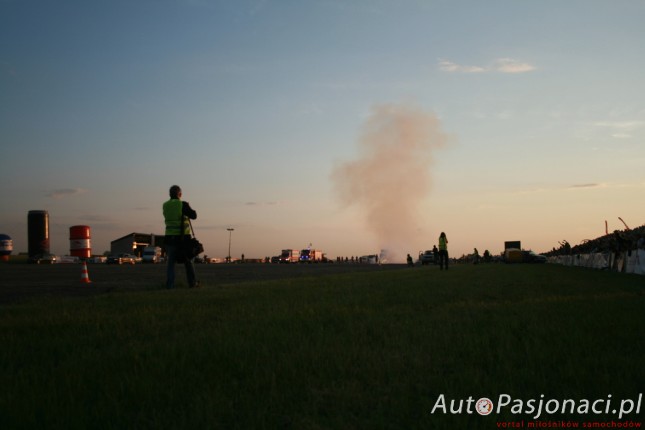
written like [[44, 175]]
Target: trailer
[[311, 256]]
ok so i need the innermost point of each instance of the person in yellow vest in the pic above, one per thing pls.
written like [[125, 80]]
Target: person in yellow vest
[[175, 213], [443, 250]]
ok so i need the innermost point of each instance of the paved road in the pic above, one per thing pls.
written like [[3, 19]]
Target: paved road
[[22, 281]]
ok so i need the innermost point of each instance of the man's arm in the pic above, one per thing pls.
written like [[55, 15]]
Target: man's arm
[[188, 211]]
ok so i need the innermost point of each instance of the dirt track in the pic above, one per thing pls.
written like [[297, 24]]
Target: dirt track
[[23, 281]]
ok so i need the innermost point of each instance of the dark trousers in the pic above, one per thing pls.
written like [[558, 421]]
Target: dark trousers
[[172, 245], [443, 258]]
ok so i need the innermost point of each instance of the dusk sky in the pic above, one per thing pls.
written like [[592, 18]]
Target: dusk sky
[[255, 108]]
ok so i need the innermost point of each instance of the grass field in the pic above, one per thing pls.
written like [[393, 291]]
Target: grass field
[[348, 351]]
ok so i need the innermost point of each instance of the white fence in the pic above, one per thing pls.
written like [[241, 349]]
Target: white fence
[[624, 262]]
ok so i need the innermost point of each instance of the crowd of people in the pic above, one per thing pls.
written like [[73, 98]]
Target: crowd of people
[[618, 241]]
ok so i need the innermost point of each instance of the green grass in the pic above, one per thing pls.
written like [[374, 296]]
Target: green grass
[[354, 351]]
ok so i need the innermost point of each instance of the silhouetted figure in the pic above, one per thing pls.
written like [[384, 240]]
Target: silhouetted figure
[[443, 251], [175, 213], [410, 262]]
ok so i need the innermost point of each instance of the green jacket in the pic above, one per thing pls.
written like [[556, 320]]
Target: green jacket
[[443, 243], [173, 216]]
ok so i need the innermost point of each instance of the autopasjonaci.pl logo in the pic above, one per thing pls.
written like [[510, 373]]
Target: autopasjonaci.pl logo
[[538, 407]]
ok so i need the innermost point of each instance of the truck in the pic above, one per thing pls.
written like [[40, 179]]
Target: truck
[[514, 255], [151, 254], [289, 256], [311, 256]]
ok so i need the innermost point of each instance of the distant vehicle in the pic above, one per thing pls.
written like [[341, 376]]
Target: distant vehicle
[[368, 259], [275, 259], [69, 259], [121, 259], [513, 255], [151, 254], [311, 256], [532, 257], [426, 257], [520, 256], [44, 259], [289, 256], [97, 259], [127, 258]]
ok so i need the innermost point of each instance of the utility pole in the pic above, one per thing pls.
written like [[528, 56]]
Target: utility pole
[[230, 232]]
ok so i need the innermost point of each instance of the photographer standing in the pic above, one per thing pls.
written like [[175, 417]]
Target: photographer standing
[[443, 251], [175, 213]]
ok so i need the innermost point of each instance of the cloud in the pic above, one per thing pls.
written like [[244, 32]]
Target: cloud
[[585, 186], [449, 66], [65, 192], [620, 125], [509, 65], [563, 188], [620, 129], [500, 65]]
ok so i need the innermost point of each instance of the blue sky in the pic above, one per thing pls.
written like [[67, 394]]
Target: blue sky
[[251, 105]]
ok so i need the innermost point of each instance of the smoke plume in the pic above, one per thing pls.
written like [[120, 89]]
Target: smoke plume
[[391, 176]]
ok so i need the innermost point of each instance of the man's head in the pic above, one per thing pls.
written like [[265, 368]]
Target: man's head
[[175, 192]]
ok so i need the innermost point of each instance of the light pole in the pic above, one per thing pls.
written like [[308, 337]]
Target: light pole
[[230, 231]]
